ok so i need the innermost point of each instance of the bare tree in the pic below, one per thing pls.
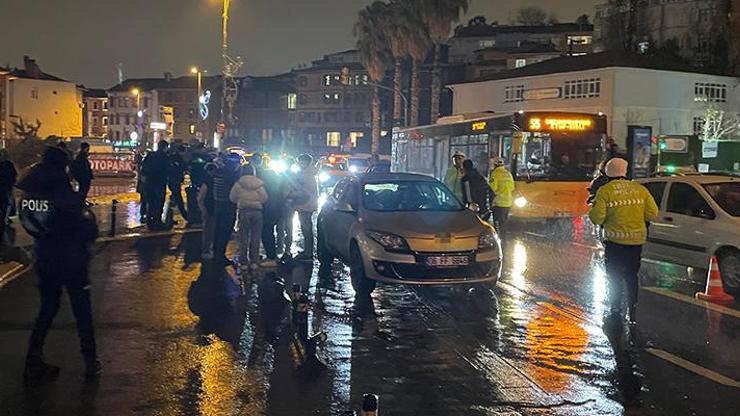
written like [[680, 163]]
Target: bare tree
[[719, 125], [531, 16], [26, 131]]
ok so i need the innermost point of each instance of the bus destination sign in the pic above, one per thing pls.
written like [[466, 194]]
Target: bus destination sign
[[559, 124]]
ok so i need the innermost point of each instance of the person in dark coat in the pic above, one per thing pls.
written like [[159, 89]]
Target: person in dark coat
[[8, 175], [154, 175], [82, 171], [197, 158], [219, 212], [273, 212], [600, 180], [63, 229], [475, 189], [175, 178]]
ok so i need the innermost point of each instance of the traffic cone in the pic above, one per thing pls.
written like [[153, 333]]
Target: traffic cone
[[714, 291]]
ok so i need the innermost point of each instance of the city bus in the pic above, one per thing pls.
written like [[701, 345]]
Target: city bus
[[552, 155]]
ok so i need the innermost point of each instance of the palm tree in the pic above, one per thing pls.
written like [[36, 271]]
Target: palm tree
[[439, 16], [394, 28], [374, 55], [418, 45]]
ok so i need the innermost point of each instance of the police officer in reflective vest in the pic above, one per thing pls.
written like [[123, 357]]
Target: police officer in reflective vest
[[63, 229], [623, 208]]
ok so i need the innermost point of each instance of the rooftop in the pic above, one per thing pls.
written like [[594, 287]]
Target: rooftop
[[492, 30], [596, 61]]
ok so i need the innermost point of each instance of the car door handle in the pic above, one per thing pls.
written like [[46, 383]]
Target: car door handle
[[669, 219]]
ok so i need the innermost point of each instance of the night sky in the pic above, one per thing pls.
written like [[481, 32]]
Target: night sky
[[83, 40]]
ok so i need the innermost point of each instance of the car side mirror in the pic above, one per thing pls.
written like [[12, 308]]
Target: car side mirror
[[342, 206], [473, 206]]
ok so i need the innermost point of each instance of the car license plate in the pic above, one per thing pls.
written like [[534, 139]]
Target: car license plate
[[446, 261]]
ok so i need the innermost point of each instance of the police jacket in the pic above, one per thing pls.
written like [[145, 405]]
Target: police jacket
[[452, 179], [56, 216], [155, 168], [502, 184], [623, 208]]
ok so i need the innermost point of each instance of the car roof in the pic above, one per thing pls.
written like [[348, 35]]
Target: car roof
[[695, 178], [395, 176]]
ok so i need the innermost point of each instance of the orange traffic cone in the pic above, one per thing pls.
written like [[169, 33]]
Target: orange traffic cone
[[714, 291]]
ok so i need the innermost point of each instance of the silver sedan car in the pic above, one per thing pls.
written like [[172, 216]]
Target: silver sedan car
[[404, 228]]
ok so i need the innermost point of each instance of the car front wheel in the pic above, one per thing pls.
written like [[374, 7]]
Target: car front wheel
[[362, 285], [729, 268]]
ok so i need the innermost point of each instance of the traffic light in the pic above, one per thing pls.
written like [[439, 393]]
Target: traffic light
[[670, 168]]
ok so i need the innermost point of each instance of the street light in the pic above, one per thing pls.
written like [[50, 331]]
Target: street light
[[403, 96], [195, 71]]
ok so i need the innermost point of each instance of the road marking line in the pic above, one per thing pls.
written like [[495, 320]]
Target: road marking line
[[694, 368], [688, 299], [11, 274]]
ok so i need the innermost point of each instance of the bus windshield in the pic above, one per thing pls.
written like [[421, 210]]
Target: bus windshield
[[558, 159]]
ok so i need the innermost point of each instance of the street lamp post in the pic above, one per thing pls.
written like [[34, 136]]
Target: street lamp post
[[138, 116], [403, 97], [194, 70]]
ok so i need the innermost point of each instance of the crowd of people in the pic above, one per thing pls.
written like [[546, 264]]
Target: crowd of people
[[224, 191]]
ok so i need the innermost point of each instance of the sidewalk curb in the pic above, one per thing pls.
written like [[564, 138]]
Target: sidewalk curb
[[13, 273], [20, 268]]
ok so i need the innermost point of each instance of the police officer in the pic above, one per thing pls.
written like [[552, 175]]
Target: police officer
[[502, 183], [623, 208], [63, 228], [453, 176]]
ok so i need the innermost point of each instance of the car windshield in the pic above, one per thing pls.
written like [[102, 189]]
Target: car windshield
[[726, 195], [409, 196]]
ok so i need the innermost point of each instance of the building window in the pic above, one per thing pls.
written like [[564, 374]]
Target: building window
[[146, 102], [118, 119], [118, 135], [520, 63], [35, 93], [95, 122], [487, 43], [359, 117], [302, 81], [191, 113], [293, 101], [327, 80], [580, 40], [302, 99], [128, 120], [333, 138], [582, 88], [332, 98], [105, 121], [698, 125], [514, 94], [266, 136], [707, 92], [355, 136], [111, 102], [96, 105]]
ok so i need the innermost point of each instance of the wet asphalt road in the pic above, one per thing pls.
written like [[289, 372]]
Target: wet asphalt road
[[179, 339]]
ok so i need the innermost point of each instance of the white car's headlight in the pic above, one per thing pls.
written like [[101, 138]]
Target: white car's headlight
[[488, 239], [520, 202], [353, 169], [388, 241], [323, 177]]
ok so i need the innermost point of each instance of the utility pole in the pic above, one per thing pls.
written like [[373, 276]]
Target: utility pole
[[230, 88]]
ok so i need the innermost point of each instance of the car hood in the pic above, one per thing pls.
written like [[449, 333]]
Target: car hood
[[424, 224]]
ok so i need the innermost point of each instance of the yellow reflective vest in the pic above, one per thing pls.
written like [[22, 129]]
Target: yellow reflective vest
[[453, 180], [502, 184], [623, 208]]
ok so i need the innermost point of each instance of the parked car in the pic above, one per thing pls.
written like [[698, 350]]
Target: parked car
[[408, 229], [699, 217]]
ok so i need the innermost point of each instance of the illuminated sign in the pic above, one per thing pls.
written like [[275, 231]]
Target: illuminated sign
[[158, 125], [203, 101], [559, 124], [478, 126], [541, 94]]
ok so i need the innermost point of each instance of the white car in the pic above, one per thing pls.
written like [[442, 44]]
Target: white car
[[699, 217]]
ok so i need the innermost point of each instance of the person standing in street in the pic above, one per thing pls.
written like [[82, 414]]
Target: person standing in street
[[220, 211], [249, 195], [82, 171], [623, 208], [304, 198], [8, 175], [502, 185], [154, 171], [476, 190], [454, 175], [139, 157], [63, 229], [272, 234], [175, 178], [197, 158]]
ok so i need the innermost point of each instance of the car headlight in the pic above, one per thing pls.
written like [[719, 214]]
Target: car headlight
[[353, 169], [520, 202], [279, 166], [388, 241], [488, 239], [323, 177], [294, 168]]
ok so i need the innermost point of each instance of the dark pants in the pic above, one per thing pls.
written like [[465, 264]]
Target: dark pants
[[224, 217], [177, 199], [78, 290], [622, 265], [155, 204], [271, 216], [304, 217], [84, 188], [500, 218], [194, 214]]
